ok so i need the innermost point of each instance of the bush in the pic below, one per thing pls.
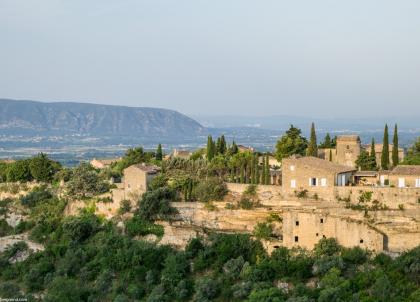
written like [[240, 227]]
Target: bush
[[5, 228], [246, 203], [302, 194], [80, 228], [138, 227], [251, 190], [210, 189], [85, 181], [156, 204], [326, 247], [272, 294], [125, 206], [37, 195], [263, 230], [206, 289]]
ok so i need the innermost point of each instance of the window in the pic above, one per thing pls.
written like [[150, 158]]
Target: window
[[323, 182], [316, 234], [312, 182], [293, 183], [128, 186], [361, 241], [401, 182], [297, 223], [418, 183], [348, 147], [322, 220], [296, 239], [292, 168]]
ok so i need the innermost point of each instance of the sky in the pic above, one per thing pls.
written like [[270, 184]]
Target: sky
[[322, 58]]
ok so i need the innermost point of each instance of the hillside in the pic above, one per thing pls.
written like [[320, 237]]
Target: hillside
[[30, 117]]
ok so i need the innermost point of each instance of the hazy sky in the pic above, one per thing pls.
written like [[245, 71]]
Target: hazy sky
[[319, 58]]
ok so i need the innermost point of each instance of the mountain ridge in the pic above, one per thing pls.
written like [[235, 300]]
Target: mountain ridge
[[31, 117]]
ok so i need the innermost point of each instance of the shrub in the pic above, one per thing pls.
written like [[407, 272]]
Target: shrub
[[230, 206], [211, 189], [263, 230], [5, 228], [156, 204], [206, 289], [80, 228], [246, 203], [401, 207], [326, 247], [251, 190], [302, 194], [125, 206], [37, 195], [270, 294], [138, 227]]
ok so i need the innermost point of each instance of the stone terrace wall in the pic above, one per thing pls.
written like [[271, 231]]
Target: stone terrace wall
[[391, 197]]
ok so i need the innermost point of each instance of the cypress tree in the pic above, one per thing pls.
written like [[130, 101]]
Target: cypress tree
[[222, 149], [242, 176], [395, 158], [159, 153], [210, 148], [267, 171], [234, 148], [385, 150], [373, 153], [263, 171], [257, 172], [253, 169], [218, 143], [312, 147]]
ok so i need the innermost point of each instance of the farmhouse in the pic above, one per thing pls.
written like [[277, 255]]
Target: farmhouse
[[405, 176], [307, 173]]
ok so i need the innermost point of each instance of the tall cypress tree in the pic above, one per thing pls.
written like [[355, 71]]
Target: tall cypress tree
[[373, 153], [159, 153], [257, 172], [327, 141], [242, 176], [222, 148], [312, 147], [263, 171], [267, 171], [210, 148], [385, 150], [253, 169], [218, 143], [395, 159]]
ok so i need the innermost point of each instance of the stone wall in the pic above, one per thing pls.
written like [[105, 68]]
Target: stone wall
[[305, 229]]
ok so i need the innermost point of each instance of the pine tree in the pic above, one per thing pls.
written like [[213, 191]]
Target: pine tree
[[373, 153], [330, 158], [395, 159], [385, 150], [210, 148], [222, 148], [327, 141], [159, 153], [312, 147]]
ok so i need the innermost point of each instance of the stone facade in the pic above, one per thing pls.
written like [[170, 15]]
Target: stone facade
[[405, 177], [306, 229], [347, 150], [378, 153], [308, 173], [103, 163], [135, 182]]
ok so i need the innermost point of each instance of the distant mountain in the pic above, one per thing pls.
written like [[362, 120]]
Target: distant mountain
[[31, 118]]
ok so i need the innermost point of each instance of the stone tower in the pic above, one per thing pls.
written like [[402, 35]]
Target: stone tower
[[347, 150]]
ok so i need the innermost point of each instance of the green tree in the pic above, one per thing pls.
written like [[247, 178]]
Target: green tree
[[257, 172], [291, 143], [19, 171], [365, 161], [267, 170], [210, 148], [395, 158], [159, 152], [222, 149], [85, 181], [157, 204], [313, 146], [373, 154], [327, 143], [413, 155], [42, 168], [385, 150]]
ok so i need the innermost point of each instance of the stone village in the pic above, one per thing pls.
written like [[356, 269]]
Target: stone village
[[316, 197]]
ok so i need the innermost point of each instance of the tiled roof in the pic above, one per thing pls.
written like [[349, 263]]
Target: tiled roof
[[406, 170], [322, 164], [151, 169]]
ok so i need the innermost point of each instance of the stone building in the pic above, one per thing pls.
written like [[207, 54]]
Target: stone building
[[242, 148], [185, 154], [103, 163], [404, 176], [348, 149], [305, 229], [309, 173], [135, 182]]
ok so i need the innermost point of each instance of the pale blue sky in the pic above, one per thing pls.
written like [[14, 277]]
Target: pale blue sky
[[314, 58]]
